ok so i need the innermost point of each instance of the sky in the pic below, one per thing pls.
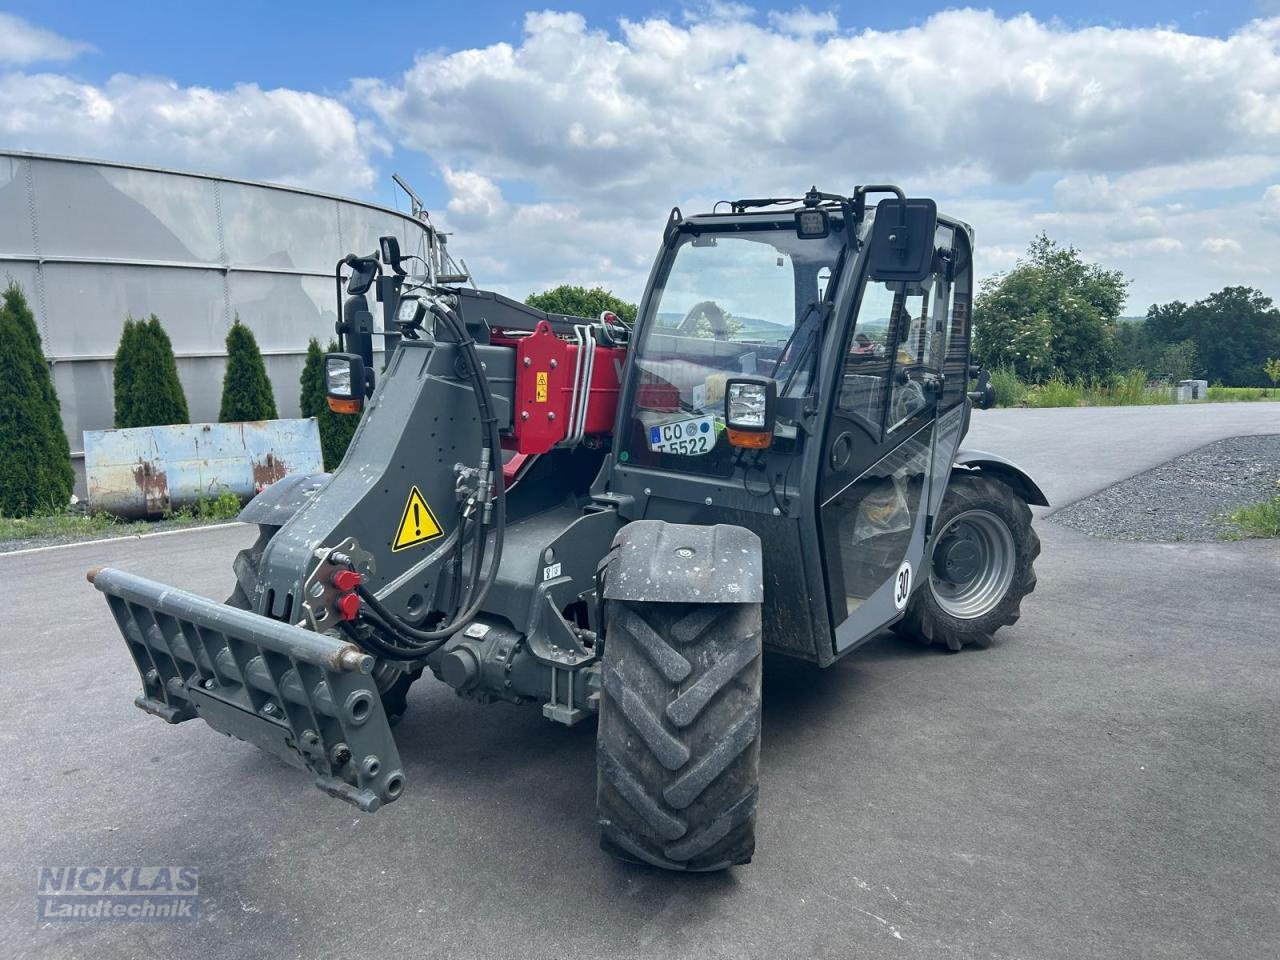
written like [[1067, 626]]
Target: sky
[[553, 142]]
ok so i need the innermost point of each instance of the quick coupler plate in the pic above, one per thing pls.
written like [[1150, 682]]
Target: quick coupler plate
[[305, 697]]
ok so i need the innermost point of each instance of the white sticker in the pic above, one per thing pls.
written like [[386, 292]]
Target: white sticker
[[550, 572], [902, 585]]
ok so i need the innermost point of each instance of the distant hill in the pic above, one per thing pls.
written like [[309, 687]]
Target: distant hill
[[751, 327]]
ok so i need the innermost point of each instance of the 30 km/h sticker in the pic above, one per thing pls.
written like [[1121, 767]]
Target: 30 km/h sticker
[[418, 525], [902, 586]]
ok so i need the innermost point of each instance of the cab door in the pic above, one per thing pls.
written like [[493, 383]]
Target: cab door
[[878, 451]]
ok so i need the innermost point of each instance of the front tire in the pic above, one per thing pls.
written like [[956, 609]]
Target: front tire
[[978, 566], [678, 742]]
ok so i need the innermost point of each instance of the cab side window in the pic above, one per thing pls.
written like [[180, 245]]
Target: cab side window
[[894, 332], [865, 369], [913, 335]]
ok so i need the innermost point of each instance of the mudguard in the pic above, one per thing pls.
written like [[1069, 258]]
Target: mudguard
[[280, 501], [683, 563], [1003, 469]]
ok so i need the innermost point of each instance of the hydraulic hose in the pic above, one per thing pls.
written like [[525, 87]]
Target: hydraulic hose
[[419, 643]]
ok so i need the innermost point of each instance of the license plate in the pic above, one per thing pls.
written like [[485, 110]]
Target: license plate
[[685, 437]]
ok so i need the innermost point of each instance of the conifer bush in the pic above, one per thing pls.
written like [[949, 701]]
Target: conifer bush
[[246, 390], [35, 458], [336, 429], [147, 390]]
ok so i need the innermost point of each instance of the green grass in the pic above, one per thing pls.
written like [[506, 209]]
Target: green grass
[[68, 525], [1237, 394], [65, 525], [1128, 390], [1010, 391], [1119, 390], [225, 506], [1256, 520], [1056, 392]]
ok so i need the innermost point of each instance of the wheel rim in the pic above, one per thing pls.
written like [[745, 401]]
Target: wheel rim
[[972, 564]]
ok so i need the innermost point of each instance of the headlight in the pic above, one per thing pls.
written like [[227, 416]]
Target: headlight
[[344, 382], [410, 311], [337, 377], [748, 410], [812, 224], [746, 407]]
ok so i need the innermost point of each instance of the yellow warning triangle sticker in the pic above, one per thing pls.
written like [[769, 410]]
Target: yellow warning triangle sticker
[[418, 525]]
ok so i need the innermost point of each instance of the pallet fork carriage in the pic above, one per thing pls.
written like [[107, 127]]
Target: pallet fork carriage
[[615, 521]]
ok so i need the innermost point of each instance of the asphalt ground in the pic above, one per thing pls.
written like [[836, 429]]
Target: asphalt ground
[[1103, 781]]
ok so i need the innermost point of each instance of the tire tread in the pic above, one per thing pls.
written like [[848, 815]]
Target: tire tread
[[679, 733]]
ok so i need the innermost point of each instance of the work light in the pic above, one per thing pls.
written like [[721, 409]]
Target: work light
[[812, 224], [410, 312], [748, 410], [344, 381]]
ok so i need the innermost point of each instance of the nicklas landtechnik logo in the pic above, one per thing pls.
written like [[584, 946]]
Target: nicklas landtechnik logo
[[118, 894]]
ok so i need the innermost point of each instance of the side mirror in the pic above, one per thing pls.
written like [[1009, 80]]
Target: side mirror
[[363, 271], [901, 245], [984, 398], [344, 382], [749, 411], [390, 247]]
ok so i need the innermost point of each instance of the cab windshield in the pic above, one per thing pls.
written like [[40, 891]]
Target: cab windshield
[[740, 302]]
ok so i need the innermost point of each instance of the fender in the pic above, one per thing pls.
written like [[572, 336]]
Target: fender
[[280, 501], [1003, 469], [683, 563]]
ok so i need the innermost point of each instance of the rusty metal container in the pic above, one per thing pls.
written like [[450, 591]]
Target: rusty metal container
[[144, 472]]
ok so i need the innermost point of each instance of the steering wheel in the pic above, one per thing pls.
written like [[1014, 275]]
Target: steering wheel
[[715, 316]]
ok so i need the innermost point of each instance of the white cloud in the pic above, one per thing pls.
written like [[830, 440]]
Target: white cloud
[[281, 135], [474, 199], [1271, 204], [733, 102], [1142, 128], [803, 22], [562, 152], [22, 43], [1220, 245]]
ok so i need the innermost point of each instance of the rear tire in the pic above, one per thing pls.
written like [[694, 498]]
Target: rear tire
[[983, 527], [393, 683], [678, 742]]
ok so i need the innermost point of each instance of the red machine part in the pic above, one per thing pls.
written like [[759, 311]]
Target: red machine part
[[345, 580], [544, 390], [348, 606]]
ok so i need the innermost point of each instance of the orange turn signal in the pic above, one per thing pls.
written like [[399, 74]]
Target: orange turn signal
[[751, 439], [344, 406]]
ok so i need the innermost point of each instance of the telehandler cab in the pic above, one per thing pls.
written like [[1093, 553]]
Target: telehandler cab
[[615, 522]]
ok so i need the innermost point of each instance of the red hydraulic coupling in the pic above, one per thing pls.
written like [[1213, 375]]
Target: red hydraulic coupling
[[348, 606], [346, 580]]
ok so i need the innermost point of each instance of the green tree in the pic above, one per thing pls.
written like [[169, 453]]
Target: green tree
[[581, 302], [1234, 331], [147, 390], [1272, 370], [35, 458], [336, 429], [1053, 315], [246, 390], [1176, 361]]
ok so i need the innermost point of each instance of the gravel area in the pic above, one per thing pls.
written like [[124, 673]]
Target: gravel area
[[1185, 498]]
